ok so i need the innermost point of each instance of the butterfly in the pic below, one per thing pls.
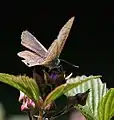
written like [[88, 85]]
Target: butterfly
[[38, 54]]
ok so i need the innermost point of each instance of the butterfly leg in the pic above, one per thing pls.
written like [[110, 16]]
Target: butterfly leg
[[60, 68]]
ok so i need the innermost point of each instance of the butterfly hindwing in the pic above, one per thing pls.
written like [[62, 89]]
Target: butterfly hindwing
[[31, 59]]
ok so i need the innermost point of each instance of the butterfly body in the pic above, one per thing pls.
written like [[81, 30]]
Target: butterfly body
[[39, 55], [52, 64]]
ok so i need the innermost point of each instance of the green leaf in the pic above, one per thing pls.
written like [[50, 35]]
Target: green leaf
[[106, 106], [62, 89], [97, 91], [23, 83]]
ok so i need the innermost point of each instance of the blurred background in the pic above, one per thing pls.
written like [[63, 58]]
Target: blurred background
[[89, 45]]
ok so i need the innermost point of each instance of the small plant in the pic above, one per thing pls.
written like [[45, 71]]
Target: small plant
[[39, 93], [37, 99]]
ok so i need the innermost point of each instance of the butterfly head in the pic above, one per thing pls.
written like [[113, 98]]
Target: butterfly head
[[55, 64]]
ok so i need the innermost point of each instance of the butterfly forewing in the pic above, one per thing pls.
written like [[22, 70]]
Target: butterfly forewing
[[52, 53], [56, 47], [30, 42], [63, 34]]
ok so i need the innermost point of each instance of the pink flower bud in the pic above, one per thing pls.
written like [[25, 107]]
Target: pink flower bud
[[27, 103], [30, 103], [24, 107]]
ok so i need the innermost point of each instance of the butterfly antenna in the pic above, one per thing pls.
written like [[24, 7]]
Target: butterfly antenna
[[69, 63]]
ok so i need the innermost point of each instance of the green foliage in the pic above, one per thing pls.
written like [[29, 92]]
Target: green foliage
[[106, 106], [23, 83], [100, 102], [62, 89]]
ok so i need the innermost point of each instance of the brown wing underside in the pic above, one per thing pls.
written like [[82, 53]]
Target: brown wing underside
[[52, 53], [30, 58], [30, 42], [40, 55], [63, 34], [56, 47]]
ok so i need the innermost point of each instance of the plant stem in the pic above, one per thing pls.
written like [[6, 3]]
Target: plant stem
[[29, 115], [63, 111], [40, 117]]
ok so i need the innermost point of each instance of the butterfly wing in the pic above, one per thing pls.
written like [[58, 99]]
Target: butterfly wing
[[39, 51], [58, 44], [30, 58], [30, 42], [41, 56], [52, 53], [63, 34]]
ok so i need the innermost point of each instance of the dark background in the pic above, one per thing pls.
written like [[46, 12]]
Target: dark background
[[89, 45]]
